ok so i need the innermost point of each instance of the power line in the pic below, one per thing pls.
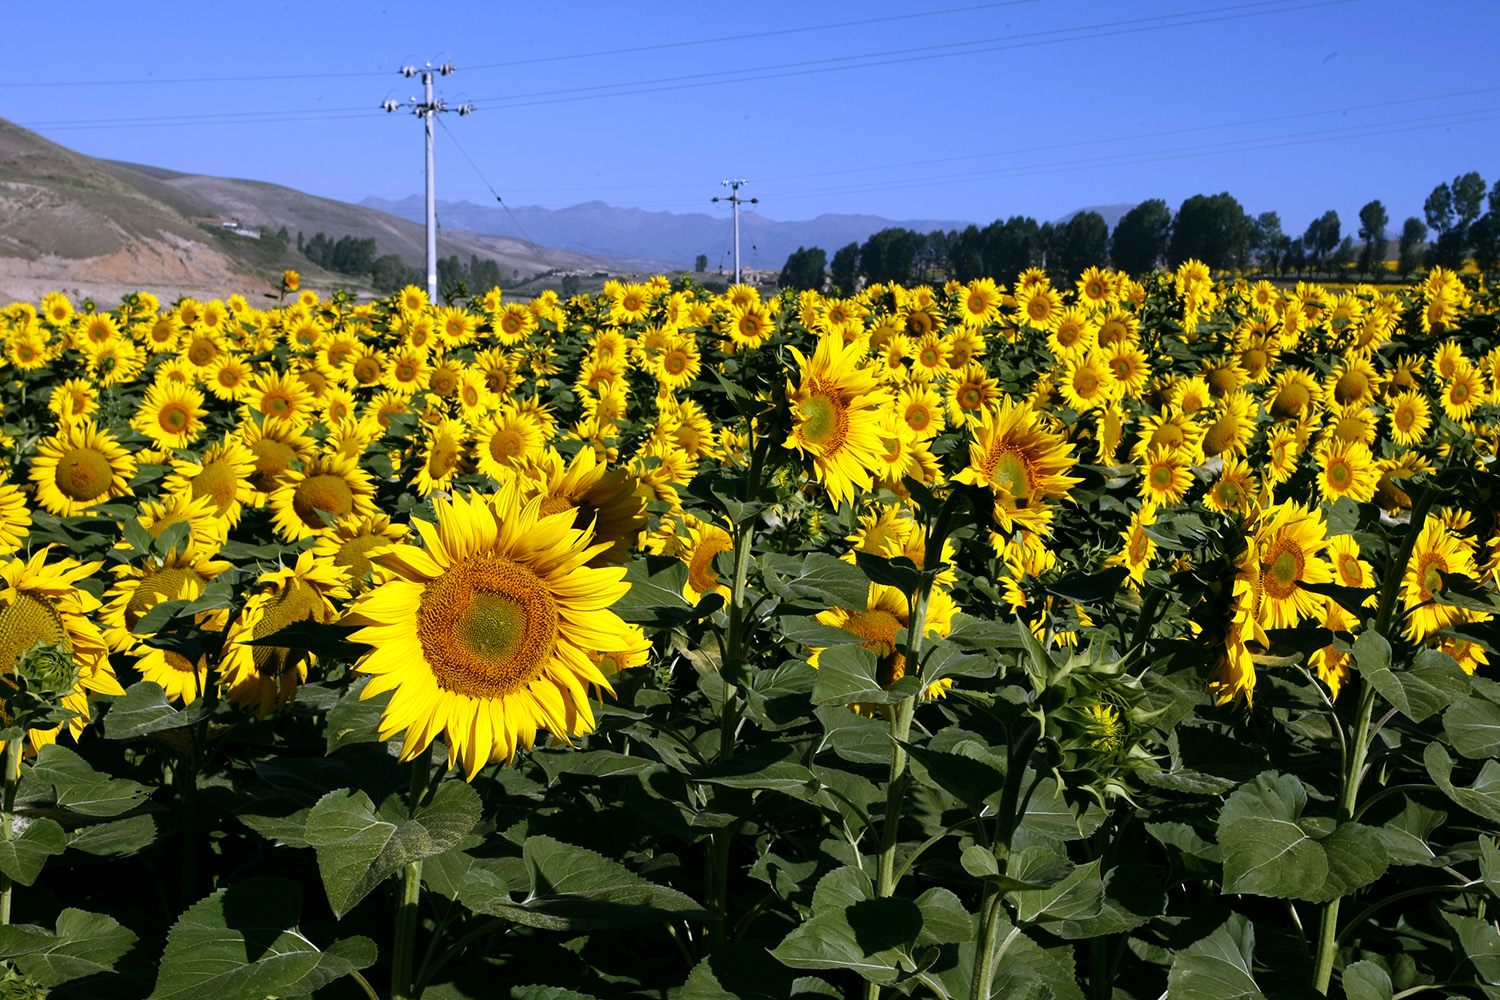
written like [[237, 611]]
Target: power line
[[1154, 156], [488, 184], [533, 61], [904, 55]]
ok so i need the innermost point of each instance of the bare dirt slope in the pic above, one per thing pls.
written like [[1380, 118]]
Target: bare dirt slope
[[102, 228]]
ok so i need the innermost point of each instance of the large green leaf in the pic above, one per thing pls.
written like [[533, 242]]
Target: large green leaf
[[831, 582], [117, 837], [850, 929], [81, 789], [1472, 725], [847, 675], [354, 720], [242, 943], [1367, 981], [83, 944], [1268, 850], [1078, 897], [1132, 896], [359, 847], [1428, 686], [1218, 966], [575, 889], [145, 710], [1407, 835], [22, 858], [1481, 798], [764, 768], [738, 970]]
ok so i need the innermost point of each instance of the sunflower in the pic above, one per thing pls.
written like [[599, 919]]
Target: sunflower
[[1282, 452], [964, 346], [279, 397], [229, 378], [678, 365], [1039, 305], [347, 545], [406, 371], [1356, 422], [972, 395], [73, 400], [206, 532], [222, 477], [1405, 464], [1130, 367], [979, 303], [1346, 468], [836, 417], [80, 466], [42, 603], [1169, 431], [27, 350], [265, 679], [1289, 541], [1293, 395], [455, 326], [1410, 416], [56, 309], [507, 440], [1258, 358], [1352, 381], [445, 376], [115, 363], [748, 326], [1138, 548], [475, 400], [15, 518], [1024, 463], [441, 457], [1463, 392], [606, 502], [1438, 553], [138, 588], [277, 448], [920, 407], [363, 366], [171, 415], [887, 611], [483, 636], [1235, 489], [1087, 382], [1074, 334], [327, 489], [1164, 476]]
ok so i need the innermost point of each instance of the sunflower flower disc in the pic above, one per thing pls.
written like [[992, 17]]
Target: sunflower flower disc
[[484, 636]]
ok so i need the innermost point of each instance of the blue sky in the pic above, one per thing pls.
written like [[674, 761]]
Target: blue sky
[[939, 109]]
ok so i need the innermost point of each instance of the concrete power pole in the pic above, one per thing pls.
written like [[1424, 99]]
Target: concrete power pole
[[425, 109], [734, 184]]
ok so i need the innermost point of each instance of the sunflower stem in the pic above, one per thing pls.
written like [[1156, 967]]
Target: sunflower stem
[[7, 821], [409, 909], [1359, 748]]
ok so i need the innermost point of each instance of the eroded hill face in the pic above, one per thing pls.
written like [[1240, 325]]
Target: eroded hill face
[[101, 229]]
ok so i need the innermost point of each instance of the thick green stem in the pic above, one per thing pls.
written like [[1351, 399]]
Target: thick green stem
[[408, 910], [1359, 744], [983, 974], [7, 821]]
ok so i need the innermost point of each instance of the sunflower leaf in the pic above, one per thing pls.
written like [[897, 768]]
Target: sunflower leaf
[[242, 943], [22, 858], [83, 944], [1218, 966], [1472, 726], [1481, 798], [575, 889], [82, 790], [1428, 686], [145, 710], [358, 848]]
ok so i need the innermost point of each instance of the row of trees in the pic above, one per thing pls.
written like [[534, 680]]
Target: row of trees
[[1212, 228], [354, 255]]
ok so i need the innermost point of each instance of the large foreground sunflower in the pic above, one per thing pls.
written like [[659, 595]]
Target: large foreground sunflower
[[484, 637]]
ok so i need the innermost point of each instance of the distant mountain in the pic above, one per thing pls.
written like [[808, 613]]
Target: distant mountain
[[597, 228]]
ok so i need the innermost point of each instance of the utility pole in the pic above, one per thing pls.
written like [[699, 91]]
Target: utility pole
[[425, 109], [734, 184]]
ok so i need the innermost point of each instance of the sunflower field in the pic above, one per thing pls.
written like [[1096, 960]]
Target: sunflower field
[[1112, 638]]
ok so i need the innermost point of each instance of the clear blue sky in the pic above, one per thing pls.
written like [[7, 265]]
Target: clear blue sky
[[938, 109]]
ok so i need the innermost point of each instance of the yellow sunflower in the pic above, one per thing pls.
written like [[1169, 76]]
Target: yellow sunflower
[[15, 518], [42, 603], [223, 477], [1137, 547], [1024, 463], [1346, 469], [607, 502], [1164, 476], [280, 397], [327, 489], [836, 417], [972, 395], [1087, 382], [80, 466], [1438, 553], [508, 440], [887, 611], [1289, 542], [1410, 416], [1294, 395], [1235, 489], [171, 415], [265, 679], [482, 637], [348, 543]]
